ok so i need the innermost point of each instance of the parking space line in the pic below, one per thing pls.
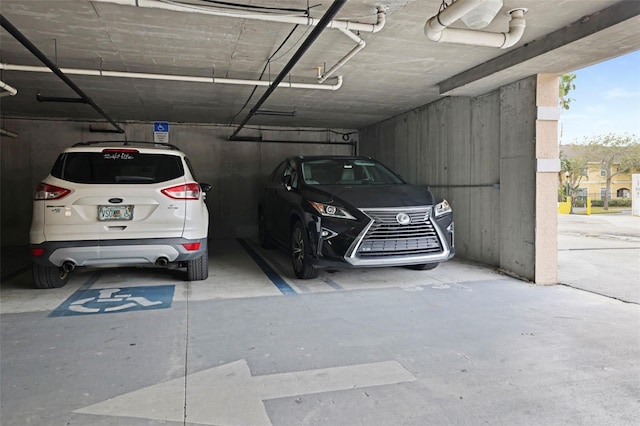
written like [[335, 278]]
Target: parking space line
[[276, 279]]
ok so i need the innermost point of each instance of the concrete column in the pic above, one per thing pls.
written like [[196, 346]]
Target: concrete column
[[548, 167]]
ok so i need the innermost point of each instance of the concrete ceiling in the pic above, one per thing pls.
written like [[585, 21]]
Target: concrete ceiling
[[398, 70]]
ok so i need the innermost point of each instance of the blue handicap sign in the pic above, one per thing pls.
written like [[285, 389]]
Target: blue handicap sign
[[161, 126], [113, 300]]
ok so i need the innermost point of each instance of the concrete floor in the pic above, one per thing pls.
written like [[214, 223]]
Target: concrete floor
[[460, 344]]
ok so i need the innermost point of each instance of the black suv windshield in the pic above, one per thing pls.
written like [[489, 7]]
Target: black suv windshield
[[117, 167], [332, 171]]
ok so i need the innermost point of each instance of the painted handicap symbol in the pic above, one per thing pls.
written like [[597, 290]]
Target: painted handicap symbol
[[109, 296], [111, 300]]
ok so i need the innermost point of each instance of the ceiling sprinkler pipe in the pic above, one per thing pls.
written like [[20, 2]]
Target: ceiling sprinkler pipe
[[298, 20], [436, 32], [168, 77]]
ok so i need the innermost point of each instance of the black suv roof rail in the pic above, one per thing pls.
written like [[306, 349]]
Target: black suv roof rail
[[126, 143]]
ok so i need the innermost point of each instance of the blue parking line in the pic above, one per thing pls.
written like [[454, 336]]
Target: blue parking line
[[268, 270]]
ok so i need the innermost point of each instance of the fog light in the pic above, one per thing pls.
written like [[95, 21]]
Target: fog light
[[328, 233]]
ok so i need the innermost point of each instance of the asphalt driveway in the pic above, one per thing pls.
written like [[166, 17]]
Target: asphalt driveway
[[601, 254]]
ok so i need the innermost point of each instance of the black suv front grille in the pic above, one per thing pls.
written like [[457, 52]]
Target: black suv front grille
[[386, 237]]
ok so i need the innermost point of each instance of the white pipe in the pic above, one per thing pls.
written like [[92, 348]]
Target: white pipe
[[300, 20], [5, 132], [360, 45], [346, 27], [452, 13], [10, 91], [347, 57], [168, 77], [436, 27]]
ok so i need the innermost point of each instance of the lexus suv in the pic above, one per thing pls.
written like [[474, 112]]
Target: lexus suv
[[336, 212], [109, 204]]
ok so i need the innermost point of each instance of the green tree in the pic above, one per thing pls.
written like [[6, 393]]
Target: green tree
[[566, 86], [615, 153]]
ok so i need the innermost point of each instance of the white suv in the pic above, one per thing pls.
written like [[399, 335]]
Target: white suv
[[109, 204]]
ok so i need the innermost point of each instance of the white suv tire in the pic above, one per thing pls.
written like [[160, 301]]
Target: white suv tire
[[49, 276], [198, 269]]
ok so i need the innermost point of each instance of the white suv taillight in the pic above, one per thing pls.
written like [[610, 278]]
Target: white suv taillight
[[189, 191], [45, 191]]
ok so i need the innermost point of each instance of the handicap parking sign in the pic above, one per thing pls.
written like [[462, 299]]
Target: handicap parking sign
[[161, 126], [161, 132], [112, 300]]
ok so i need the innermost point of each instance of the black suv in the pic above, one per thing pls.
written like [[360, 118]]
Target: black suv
[[336, 211]]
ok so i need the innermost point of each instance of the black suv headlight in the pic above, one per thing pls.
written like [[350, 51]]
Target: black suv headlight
[[442, 208], [330, 210]]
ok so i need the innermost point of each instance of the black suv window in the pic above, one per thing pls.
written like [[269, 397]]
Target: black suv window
[[117, 167], [332, 171]]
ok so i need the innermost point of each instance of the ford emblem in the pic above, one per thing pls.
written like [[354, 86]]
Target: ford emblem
[[403, 219], [115, 200]]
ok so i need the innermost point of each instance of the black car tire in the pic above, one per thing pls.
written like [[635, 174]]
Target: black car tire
[[263, 235], [300, 254], [49, 276], [423, 266], [198, 269]]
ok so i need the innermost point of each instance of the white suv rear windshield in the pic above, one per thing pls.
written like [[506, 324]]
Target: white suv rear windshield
[[117, 167]]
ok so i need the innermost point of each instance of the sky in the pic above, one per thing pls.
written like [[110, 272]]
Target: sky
[[606, 100]]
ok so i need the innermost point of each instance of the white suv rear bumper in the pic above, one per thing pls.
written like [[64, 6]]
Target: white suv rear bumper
[[118, 252]]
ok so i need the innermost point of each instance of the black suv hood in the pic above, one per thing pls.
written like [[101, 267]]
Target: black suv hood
[[368, 196]]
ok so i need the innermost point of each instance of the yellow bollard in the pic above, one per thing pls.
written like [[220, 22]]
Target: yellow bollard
[[588, 205]]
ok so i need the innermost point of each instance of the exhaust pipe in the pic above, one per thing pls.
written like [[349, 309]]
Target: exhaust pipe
[[68, 266], [162, 261]]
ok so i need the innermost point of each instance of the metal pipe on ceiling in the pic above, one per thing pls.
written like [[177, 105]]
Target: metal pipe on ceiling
[[171, 77], [328, 16], [43, 58]]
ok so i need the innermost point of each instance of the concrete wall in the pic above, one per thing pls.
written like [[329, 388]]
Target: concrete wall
[[235, 169], [479, 153]]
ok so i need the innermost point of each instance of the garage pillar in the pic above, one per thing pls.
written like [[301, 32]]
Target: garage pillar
[[548, 167]]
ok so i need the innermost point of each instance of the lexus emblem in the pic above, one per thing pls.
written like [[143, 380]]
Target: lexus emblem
[[403, 219]]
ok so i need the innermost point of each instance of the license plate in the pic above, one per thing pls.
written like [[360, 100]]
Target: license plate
[[115, 212]]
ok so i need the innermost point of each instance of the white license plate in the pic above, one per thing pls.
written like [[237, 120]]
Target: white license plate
[[115, 212]]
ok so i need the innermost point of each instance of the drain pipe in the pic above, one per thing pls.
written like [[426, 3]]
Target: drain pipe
[[8, 90], [170, 77], [43, 58], [436, 27], [328, 16]]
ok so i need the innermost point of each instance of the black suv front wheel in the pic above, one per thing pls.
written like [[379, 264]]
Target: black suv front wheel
[[300, 254]]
